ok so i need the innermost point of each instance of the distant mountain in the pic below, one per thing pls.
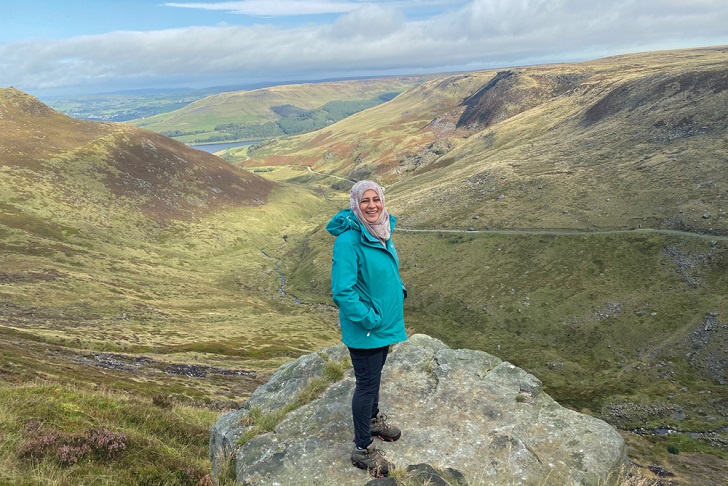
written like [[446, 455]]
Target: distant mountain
[[131, 104], [275, 111]]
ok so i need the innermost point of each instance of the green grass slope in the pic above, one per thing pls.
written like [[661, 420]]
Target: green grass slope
[[583, 210], [139, 295], [617, 143], [274, 111]]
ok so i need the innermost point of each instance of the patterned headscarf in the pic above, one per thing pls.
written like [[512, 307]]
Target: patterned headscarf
[[380, 228]]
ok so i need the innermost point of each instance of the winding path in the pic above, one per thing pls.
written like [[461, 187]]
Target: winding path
[[569, 233], [330, 175]]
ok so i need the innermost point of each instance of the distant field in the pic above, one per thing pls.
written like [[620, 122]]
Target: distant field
[[123, 107]]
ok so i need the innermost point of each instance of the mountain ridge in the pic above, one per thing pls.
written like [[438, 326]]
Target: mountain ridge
[[523, 147], [216, 117], [163, 178]]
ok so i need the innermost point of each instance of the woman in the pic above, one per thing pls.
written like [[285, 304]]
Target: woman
[[368, 290]]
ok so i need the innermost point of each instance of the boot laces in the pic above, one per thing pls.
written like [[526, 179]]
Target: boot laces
[[377, 455], [382, 421]]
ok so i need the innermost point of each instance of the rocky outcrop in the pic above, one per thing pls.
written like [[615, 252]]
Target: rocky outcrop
[[465, 413]]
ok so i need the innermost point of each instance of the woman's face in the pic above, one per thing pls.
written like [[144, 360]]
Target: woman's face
[[370, 205]]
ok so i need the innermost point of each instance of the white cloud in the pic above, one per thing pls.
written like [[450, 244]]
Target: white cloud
[[374, 38], [366, 23], [275, 7]]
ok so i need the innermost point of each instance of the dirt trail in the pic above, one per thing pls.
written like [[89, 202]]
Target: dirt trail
[[545, 232], [569, 233]]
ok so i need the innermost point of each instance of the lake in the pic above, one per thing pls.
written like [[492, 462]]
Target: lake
[[217, 147]]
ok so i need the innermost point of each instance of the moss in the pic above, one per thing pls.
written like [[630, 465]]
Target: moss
[[259, 422]]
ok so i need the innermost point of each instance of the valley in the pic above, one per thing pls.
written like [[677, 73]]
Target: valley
[[570, 219]]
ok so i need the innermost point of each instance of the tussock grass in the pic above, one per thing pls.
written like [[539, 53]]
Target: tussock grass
[[160, 445]]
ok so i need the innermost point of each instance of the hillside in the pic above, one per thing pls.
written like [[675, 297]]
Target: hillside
[[577, 146], [528, 184], [138, 294], [106, 220], [274, 111], [135, 264], [59, 158]]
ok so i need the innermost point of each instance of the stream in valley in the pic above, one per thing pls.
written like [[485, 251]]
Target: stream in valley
[[281, 278]]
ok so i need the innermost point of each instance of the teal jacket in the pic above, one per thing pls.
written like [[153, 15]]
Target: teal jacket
[[366, 285]]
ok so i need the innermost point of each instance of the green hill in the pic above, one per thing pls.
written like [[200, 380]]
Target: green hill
[[112, 220], [274, 111], [138, 297], [615, 143], [545, 182], [145, 286]]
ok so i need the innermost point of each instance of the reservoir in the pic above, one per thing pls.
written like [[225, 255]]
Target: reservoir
[[217, 147]]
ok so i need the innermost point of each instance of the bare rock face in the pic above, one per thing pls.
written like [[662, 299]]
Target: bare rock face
[[465, 412]]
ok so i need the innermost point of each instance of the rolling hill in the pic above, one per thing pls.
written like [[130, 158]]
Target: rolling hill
[[571, 220], [568, 218], [614, 143], [274, 111]]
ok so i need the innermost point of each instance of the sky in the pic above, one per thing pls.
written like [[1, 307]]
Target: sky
[[56, 47]]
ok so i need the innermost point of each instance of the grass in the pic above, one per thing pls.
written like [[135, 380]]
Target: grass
[[586, 310], [72, 434], [613, 324], [210, 272]]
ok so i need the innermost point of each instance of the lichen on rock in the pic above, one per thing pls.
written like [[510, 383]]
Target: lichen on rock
[[460, 410]]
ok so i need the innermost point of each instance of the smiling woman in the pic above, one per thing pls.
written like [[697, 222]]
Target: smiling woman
[[370, 206], [367, 288]]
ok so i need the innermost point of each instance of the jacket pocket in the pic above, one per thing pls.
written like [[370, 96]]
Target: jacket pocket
[[377, 319]]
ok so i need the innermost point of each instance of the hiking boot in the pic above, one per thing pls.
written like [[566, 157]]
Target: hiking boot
[[371, 459], [384, 430]]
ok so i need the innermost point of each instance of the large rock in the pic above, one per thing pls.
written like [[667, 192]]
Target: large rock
[[461, 411]]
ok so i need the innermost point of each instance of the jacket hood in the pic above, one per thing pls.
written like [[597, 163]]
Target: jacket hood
[[345, 220]]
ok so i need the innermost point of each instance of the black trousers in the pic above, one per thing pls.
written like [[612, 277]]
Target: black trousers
[[368, 364]]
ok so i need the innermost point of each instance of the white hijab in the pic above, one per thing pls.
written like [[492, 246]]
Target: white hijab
[[379, 229]]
